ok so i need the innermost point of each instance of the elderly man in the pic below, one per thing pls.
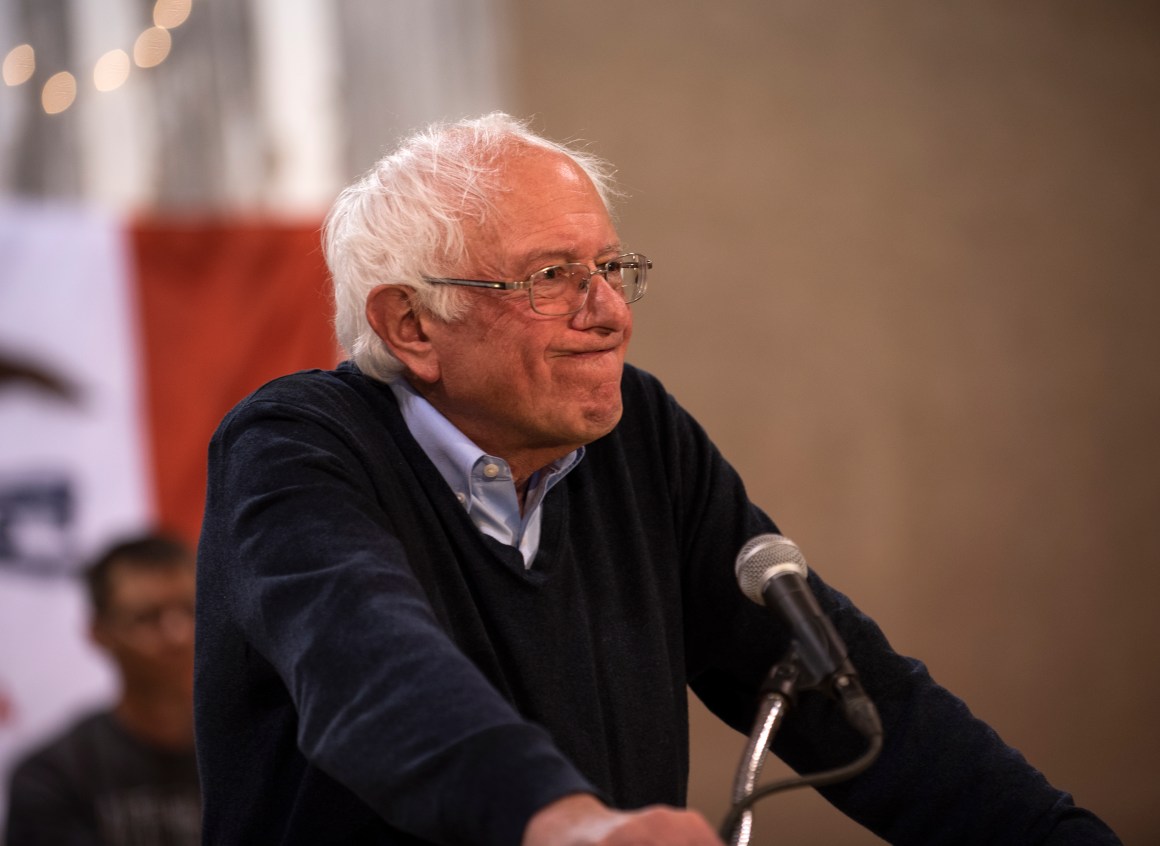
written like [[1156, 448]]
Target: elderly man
[[453, 591]]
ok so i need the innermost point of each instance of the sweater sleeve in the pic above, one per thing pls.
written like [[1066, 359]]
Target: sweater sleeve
[[300, 560], [943, 777]]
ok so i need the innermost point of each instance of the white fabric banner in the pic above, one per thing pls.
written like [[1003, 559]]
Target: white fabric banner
[[72, 462]]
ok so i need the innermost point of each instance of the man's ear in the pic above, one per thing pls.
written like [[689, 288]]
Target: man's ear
[[392, 313], [99, 634]]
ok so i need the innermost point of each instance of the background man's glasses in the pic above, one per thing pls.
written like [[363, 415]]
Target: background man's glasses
[[151, 619], [563, 288]]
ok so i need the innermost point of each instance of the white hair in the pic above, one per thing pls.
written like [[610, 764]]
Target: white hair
[[403, 220]]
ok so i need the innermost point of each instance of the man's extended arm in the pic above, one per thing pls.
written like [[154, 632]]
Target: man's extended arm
[[298, 556]]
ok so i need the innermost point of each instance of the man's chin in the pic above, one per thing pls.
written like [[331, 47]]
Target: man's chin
[[601, 421]]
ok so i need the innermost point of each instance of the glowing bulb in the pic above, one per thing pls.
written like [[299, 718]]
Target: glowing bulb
[[111, 71], [59, 92], [171, 13], [19, 64], [152, 47]]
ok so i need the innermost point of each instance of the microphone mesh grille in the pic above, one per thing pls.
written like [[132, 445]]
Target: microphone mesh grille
[[761, 558]]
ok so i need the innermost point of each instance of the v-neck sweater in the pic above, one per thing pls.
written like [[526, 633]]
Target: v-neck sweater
[[373, 669]]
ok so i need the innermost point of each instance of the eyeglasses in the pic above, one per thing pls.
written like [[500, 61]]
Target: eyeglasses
[[563, 288], [151, 619]]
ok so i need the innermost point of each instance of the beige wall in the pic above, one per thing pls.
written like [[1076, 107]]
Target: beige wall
[[908, 276]]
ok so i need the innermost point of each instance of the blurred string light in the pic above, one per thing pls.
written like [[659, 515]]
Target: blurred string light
[[150, 49]]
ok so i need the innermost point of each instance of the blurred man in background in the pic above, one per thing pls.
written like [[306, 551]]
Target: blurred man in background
[[126, 775]]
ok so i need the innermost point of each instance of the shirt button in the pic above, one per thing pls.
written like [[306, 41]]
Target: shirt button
[[491, 470], [462, 498]]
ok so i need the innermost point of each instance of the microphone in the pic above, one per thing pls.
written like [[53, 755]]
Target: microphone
[[772, 571]]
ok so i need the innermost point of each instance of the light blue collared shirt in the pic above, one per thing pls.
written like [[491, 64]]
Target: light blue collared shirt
[[482, 483]]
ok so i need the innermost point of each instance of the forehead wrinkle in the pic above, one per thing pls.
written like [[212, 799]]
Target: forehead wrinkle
[[547, 213]]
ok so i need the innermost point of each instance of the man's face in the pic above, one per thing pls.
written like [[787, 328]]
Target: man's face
[[147, 628], [511, 379]]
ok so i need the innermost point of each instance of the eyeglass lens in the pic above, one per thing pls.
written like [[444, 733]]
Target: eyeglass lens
[[564, 288]]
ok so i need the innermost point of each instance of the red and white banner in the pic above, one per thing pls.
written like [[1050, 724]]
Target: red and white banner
[[122, 345]]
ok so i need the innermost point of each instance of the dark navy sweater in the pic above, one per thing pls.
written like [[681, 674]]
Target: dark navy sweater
[[373, 669]]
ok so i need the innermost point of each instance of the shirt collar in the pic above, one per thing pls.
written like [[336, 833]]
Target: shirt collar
[[456, 456]]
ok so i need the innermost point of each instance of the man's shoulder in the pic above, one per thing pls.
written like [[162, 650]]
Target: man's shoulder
[[345, 378], [645, 395], [339, 392], [67, 750], [652, 414], [637, 384]]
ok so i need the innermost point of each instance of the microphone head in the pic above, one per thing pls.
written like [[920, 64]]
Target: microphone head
[[764, 557]]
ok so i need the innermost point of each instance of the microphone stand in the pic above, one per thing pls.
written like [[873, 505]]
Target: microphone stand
[[777, 695]]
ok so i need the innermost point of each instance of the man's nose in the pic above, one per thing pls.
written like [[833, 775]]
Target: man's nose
[[176, 625], [605, 305]]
